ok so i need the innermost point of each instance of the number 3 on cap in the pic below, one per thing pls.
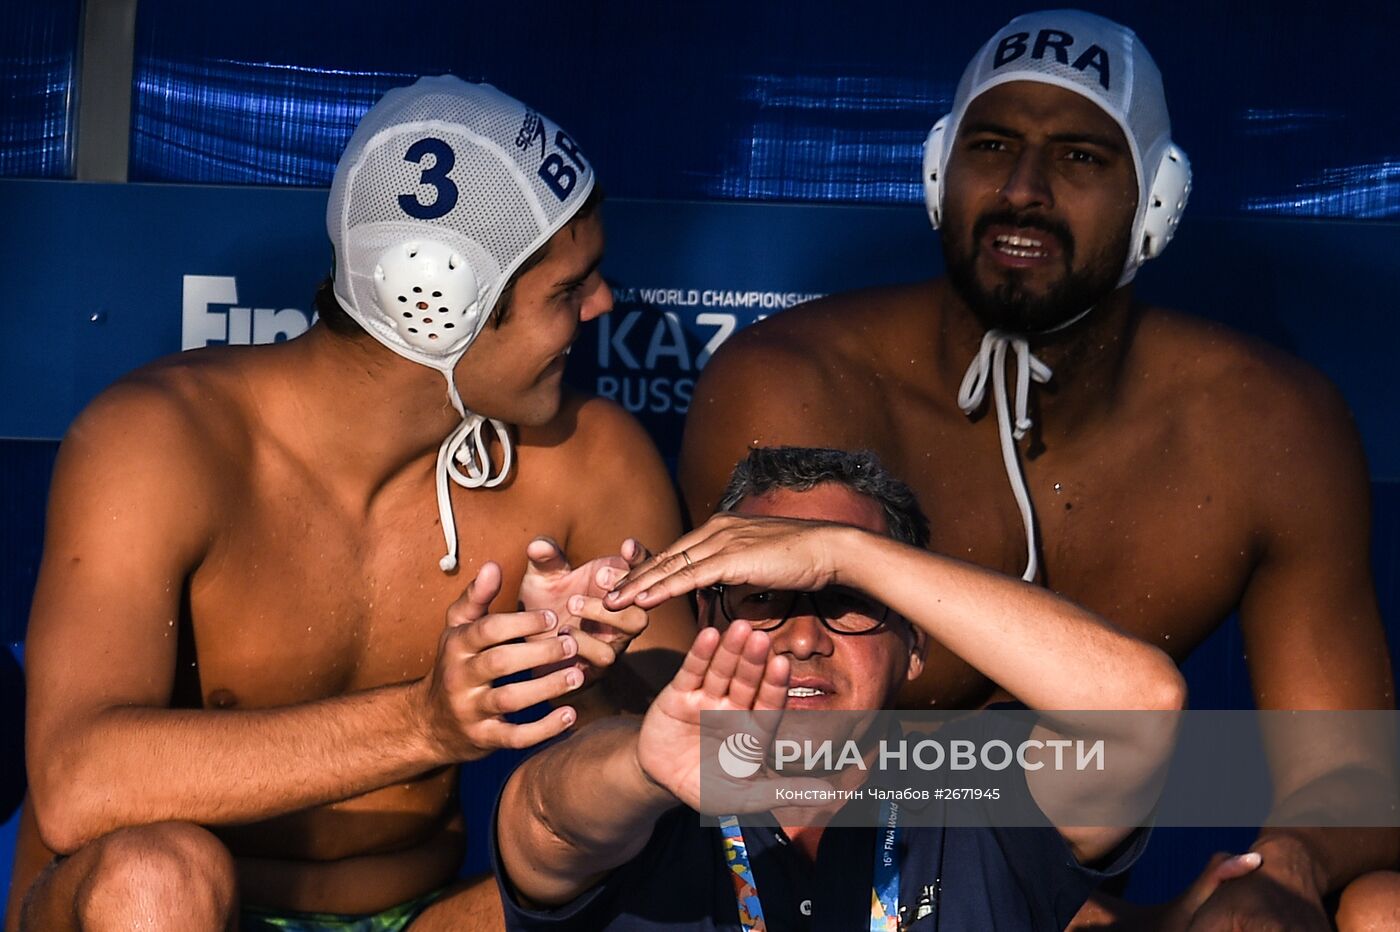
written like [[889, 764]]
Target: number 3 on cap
[[436, 177]]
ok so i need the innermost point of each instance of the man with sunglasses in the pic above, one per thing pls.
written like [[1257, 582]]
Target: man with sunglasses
[[820, 596]]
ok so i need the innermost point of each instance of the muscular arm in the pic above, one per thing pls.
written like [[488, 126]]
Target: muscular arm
[[136, 507], [1047, 652], [575, 812], [1311, 626], [578, 810], [1044, 650]]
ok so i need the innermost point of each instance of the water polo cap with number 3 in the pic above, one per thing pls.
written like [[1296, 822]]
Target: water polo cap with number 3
[[444, 189]]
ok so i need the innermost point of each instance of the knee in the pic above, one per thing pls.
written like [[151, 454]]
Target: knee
[[1370, 903], [168, 876]]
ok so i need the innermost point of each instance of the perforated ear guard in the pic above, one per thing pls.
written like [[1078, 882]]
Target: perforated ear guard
[[429, 294], [933, 160], [1166, 201]]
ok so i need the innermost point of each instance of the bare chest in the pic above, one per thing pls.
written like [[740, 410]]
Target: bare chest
[[1148, 527], [302, 598]]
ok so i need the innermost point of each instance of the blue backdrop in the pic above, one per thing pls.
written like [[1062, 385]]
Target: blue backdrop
[[756, 154]]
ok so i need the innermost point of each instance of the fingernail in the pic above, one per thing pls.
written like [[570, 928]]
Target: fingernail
[[644, 594], [1252, 858], [609, 575], [568, 717], [576, 604], [573, 678], [550, 619], [570, 647]]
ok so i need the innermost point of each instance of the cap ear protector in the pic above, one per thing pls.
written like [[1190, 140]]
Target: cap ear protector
[[429, 294], [1160, 216], [1166, 201], [933, 162]]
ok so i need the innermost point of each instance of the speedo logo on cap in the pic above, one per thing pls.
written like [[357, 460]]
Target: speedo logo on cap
[[1016, 45], [559, 175]]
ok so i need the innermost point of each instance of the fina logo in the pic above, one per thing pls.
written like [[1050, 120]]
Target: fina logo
[[740, 755], [210, 316]]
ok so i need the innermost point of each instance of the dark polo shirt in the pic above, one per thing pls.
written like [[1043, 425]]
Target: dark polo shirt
[[990, 879]]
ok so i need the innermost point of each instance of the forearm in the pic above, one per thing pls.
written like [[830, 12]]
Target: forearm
[[576, 811], [132, 766], [1044, 650]]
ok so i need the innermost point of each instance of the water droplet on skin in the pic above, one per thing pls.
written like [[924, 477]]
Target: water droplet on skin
[[1057, 487]]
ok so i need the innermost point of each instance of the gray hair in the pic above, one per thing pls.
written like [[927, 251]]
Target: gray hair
[[800, 468]]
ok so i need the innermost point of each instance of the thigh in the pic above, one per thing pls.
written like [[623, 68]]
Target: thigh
[[473, 904]]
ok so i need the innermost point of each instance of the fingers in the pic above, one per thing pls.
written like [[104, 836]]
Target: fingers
[[748, 675], [1237, 866], [1220, 868], [634, 552], [546, 557], [496, 629], [475, 602], [720, 677], [772, 692], [610, 572], [513, 697], [598, 653], [691, 675], [663, 577], [631, 621], [495, 733], [509, 659], [648, 569]]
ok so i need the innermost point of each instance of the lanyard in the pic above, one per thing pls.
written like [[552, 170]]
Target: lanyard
[[884, 888]]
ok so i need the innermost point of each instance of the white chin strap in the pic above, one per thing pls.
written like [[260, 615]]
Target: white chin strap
[[989, 365], [466, 446]]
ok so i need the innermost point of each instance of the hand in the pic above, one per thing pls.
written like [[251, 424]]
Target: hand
[[1279, 896], [1260, 903], [575, 596], [1232, 894], [733, 672], [462, 712], [781, 553]]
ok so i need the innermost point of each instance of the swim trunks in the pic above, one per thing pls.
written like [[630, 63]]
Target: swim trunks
[[393, 919]]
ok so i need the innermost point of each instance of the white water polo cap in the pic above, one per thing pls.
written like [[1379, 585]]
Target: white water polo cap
[[1100, 60], [444, 189]]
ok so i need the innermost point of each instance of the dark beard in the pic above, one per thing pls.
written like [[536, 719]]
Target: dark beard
[[1008, 305]]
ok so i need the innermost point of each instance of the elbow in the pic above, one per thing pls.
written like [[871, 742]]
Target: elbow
[[1167, 690], [64, 809], [61, 827]]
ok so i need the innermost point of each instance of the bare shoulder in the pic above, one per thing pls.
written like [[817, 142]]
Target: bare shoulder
[[592, 449], [1264, 420], [169, 431], [802, 377], [189, 407], [822, 340], [589, 429], [1229, 380]]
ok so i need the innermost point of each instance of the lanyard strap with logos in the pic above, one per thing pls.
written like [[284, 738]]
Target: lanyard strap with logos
[[884, 888]]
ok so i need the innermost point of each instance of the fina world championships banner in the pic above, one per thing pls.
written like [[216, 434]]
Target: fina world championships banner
[[101, 278]]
